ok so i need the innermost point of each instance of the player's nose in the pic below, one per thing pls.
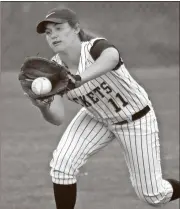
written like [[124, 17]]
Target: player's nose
[[54, 35]]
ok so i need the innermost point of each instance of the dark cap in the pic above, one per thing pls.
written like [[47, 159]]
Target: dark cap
[[57, 15]]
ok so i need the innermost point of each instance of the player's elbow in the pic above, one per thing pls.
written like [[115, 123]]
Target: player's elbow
[[54, 119], [115, 55], [56, 122], [57, 117]]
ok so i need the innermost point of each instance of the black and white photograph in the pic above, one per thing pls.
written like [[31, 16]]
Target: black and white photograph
[[89, 105]]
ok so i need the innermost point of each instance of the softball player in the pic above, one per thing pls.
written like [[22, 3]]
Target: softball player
[[114, 106]]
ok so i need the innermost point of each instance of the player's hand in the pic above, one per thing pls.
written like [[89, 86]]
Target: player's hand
[[40, 103]]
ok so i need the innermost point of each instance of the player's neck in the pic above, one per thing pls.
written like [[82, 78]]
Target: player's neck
[[71, 55]]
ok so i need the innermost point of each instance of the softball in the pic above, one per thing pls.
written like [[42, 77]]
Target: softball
[[41, 85]]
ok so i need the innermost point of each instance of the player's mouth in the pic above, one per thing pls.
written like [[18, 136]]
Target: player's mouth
[[55, 43]]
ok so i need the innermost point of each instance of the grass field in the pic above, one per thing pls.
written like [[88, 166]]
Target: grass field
[[28, 142]]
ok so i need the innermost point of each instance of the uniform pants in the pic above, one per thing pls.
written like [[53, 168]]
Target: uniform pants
[[139, 140]]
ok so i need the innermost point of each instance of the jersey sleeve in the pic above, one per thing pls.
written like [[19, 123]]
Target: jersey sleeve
[[99, 46]]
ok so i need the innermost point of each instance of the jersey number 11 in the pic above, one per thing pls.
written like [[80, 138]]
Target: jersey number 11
[[124, 103]]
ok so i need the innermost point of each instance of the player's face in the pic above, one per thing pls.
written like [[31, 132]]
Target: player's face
[[59, 36]]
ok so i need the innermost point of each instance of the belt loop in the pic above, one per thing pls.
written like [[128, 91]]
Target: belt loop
[[129, 119]]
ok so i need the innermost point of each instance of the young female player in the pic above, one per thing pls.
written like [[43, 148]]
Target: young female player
[[115, 106]]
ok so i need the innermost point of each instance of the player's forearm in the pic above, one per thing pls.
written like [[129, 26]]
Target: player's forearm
[[51, 116], [54, 113], [105, 63]]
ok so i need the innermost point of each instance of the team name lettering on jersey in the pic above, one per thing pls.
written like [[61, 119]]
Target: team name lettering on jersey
[[90, 98], [103, 90]]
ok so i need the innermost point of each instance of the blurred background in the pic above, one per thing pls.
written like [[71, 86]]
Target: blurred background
[[147, 35]]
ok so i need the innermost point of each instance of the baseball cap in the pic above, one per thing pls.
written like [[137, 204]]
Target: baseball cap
[[57, 15]]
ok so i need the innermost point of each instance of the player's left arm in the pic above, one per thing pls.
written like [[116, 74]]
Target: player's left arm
[[107, 58]]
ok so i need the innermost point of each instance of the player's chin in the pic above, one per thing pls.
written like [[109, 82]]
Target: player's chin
[[58, 48]]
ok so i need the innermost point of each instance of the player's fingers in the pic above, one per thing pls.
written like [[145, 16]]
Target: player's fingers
[[37, 102], [32, 100], [25, 94], [28, 96]]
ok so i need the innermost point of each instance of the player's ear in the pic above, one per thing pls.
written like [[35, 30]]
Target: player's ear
[[76, 28]]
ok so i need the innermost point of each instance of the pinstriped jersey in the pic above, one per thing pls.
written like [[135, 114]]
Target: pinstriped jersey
[[114, 96]]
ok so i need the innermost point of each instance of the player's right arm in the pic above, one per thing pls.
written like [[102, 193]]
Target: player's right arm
[[52, 109], [54, 112]]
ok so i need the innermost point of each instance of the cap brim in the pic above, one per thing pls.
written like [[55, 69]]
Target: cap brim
[[41, 27]]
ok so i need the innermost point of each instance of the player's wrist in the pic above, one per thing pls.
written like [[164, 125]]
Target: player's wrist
[[75, 81], [44, 104], [78, 81]]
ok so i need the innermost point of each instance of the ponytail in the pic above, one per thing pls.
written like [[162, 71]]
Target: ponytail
[[85, 36]]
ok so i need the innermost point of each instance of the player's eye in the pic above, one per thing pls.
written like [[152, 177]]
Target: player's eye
[[47, 32], [58, 28]]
